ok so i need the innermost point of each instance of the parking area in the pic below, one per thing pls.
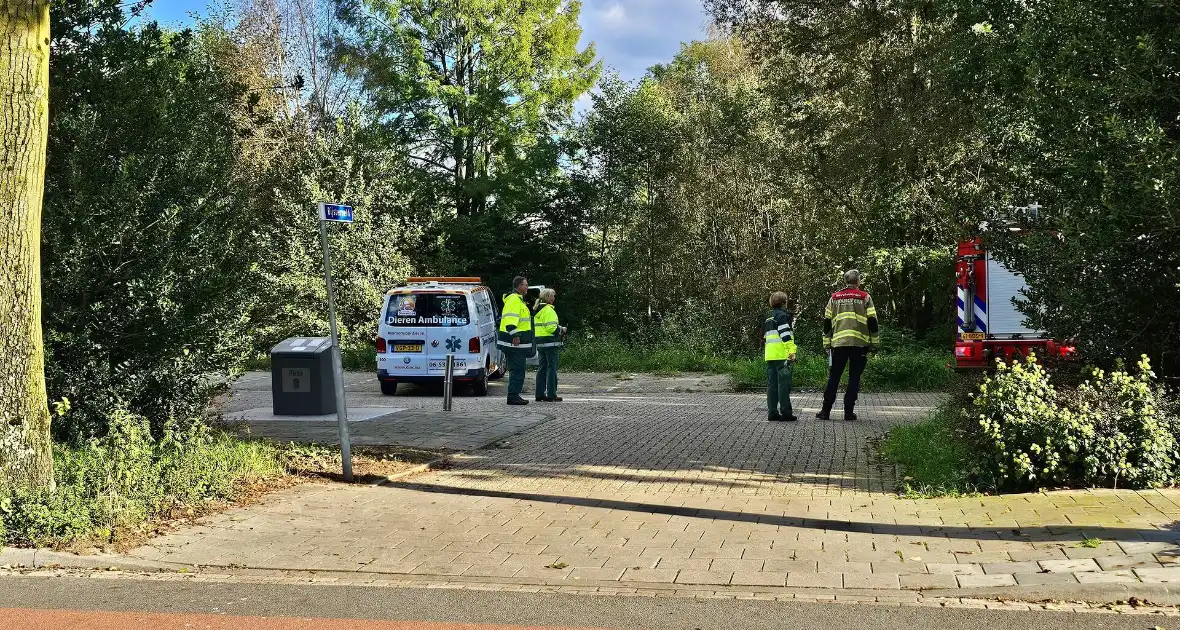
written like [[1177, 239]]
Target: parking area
[[634, 483], [619, 433]]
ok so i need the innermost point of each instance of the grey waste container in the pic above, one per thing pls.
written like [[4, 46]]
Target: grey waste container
[[301, 378]]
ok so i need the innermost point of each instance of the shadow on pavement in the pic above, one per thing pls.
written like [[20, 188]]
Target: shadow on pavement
[[1026, 534], [538, 471]]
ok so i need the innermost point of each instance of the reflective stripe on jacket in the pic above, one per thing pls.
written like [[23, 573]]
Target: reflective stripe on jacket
[[850, 320], [548, 327], [515, 322], [778, 336]]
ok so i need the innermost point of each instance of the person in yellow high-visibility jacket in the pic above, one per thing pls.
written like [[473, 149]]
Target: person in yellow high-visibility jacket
[[516, 337], [851, 331], [549, 342], [780, 354]]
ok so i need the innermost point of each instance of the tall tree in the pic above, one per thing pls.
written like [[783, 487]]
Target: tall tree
[[878, 142], [471, 88], [287, 44], [26, 457], [1093, 133], [924, 115], [148, 254], [308, 142]]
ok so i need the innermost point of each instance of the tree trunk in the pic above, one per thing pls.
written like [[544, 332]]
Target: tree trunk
[[26, 456]]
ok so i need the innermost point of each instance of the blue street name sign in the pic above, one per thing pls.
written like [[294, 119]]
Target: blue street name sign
[[335, 212]]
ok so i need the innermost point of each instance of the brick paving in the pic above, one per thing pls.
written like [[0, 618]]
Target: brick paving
[[252, 390], [693, 444], [679, 489], [417, 428]]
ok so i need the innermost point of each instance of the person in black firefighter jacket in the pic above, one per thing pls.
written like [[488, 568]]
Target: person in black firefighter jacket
[[850, 333]]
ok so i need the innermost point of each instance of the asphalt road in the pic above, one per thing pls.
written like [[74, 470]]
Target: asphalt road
[[36, 603]]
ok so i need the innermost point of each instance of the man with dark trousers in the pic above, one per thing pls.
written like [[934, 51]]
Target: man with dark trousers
[[515, 338], [851, 331]]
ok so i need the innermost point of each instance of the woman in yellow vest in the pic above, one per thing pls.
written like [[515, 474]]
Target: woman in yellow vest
[[549, 334], [780, 352]]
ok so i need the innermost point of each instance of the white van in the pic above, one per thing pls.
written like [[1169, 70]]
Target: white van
[[429, 318]]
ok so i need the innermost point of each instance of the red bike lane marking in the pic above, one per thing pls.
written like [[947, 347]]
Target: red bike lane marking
[[38, 619]]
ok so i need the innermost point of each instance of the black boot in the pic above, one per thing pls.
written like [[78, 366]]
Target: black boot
[[824, 415], [775, 418], [515, 399], [849, 416]]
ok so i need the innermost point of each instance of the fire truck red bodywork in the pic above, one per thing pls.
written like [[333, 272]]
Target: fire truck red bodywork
[[989, 327]]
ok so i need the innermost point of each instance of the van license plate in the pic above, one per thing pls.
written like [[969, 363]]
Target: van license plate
[[441, 364], [974, 336], [407, 347]]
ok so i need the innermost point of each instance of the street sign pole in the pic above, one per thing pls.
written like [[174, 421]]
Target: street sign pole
[[342, 214]]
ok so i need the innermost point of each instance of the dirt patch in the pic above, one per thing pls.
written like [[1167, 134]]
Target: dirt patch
[[370, 464]]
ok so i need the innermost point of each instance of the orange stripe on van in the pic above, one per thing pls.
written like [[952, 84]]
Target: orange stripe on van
[[447, 280]]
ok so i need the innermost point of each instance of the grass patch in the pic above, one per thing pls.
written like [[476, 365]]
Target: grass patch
[[934, 455], [618, 357], [113, 490], [118, 490], [899, 370], [354, 358]]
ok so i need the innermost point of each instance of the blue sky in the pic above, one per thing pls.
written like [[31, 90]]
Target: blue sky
[[631, 35]]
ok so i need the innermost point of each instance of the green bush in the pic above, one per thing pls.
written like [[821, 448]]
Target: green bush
[[112, 486], [811, 372], [1134, 433], [1114, 429], [358, 357]]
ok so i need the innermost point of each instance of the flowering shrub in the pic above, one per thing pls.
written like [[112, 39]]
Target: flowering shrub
[[1028, 437], [1133, 439], [1113, 430]]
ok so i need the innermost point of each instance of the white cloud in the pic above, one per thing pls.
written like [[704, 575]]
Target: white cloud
[[615, 15], [632, 35]]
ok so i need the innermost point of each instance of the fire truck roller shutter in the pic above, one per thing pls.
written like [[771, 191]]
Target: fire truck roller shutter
[[1002, 316]]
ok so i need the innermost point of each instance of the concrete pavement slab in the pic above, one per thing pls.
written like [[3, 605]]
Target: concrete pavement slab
[[977, 581]]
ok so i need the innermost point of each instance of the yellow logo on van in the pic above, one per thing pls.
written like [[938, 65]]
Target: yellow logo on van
[[407, 305]]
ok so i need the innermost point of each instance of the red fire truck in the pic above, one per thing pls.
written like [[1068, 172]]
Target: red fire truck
[[990, 326]]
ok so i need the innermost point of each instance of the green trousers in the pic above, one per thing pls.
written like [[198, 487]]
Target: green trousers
[[778, 388], [547, 372], [516, 369]]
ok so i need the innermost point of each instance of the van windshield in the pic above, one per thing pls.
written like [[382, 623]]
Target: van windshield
[[427, 309]]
